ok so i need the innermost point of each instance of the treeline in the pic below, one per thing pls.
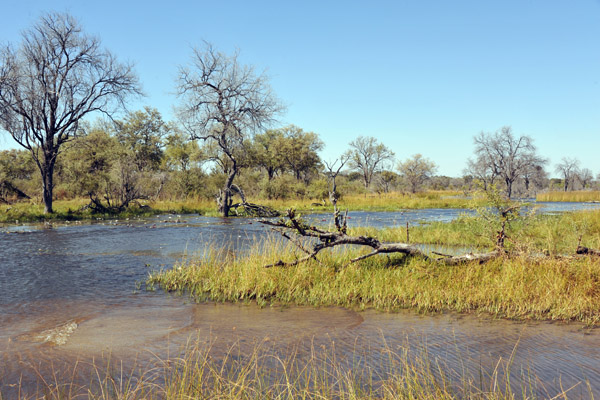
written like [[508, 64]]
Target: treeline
[[144, 157], [58, 78]]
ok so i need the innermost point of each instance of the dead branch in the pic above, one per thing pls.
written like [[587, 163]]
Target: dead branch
[[587, 251], [328, 239]]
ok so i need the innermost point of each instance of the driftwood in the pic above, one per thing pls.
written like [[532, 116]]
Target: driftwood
[[328, 239]]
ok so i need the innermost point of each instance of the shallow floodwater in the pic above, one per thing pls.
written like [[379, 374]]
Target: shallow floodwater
[[69, 292]]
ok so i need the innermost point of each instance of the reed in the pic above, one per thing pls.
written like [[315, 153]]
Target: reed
[[575, 196]]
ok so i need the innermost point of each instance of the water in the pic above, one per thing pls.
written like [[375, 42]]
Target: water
[[69, 291]]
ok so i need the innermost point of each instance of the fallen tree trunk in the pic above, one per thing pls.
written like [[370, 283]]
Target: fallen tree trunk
[[328, 239]]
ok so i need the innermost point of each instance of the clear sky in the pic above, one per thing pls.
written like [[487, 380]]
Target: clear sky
[[421, 76]]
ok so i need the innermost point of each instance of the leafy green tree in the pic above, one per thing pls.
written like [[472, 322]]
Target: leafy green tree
[[416, 170], [16, 168], [57, 76], [143, 133], [299, 151], [266, 151]]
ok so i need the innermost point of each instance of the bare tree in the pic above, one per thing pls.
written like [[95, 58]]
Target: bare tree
[[569, 169], [56, 77], [331, 171], [505, 155], [534, 176], [482, 170], [416, 170], [585, 177], [367, 155], [224, 102]]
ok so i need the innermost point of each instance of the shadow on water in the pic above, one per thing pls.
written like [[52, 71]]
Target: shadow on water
[[69, 293]]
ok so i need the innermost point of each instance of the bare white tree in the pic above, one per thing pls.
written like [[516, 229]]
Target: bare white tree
[[50, 82], [505, 155], [224, 102]]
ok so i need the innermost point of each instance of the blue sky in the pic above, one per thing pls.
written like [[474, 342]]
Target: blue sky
[[421, 76]]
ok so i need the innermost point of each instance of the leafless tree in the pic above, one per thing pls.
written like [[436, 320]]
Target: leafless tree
[[416, 170], [569, 169], [482, 170], [331, 171], [54, 78], [224, 102], [534, 176], [505, 155], [585, 177], [367, 155]]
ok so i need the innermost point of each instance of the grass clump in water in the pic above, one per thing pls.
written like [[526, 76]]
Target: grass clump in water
[[518, 288]]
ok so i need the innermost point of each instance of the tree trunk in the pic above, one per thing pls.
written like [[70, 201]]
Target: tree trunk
[[47, 170], [226, 195], [508, 188]]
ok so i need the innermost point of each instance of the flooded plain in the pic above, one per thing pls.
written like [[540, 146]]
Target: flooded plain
[[72, 292]]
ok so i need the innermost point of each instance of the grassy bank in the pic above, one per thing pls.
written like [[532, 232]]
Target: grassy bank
[[264, 373], [70, 210], [577, 196]]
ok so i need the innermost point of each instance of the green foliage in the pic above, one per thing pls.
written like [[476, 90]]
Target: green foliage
[[499, 216]]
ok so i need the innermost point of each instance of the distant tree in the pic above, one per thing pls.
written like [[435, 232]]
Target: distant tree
[[144, 132], [299, 151], [568, 168], [332, 170], [56, 77], [224, 102], [386, 180], [367, 156], [416, 170], [585, 177], [534, 176], [481, 169], [181, 154], [266, 151], [506, 156]]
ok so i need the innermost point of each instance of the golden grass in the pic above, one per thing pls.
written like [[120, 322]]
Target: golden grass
[[575, 196], [564, 289]]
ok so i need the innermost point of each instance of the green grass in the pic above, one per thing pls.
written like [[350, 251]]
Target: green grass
[[31, 211], [577, 196], [541, 280]]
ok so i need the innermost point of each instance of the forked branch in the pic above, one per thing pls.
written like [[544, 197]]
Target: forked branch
[[327, 239]]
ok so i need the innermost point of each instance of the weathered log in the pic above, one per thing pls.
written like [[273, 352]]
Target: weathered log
[[328, 239]]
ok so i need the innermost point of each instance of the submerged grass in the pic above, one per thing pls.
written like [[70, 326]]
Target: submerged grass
[[575, 196], [265, 372]]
